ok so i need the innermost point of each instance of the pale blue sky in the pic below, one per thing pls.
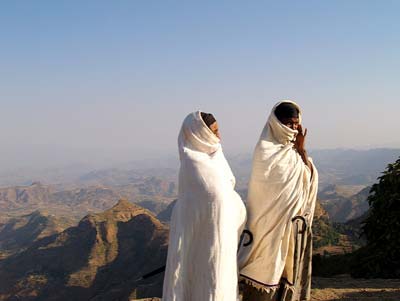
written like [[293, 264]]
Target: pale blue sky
[[118, 77]]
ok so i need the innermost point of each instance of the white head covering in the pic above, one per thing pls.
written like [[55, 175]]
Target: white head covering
[[197, 136], [275, 131]]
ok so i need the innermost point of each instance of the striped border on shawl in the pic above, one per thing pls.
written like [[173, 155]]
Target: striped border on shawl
[[263, 286]]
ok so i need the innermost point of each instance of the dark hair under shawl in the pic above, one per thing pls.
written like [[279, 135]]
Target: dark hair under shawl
[[207, 118], [286, 110]]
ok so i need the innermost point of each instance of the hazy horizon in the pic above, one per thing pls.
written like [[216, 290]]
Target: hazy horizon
[[106, 82], [42, 158], [335, 166]]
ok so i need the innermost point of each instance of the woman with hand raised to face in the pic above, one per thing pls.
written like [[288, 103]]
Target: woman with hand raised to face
[[280, 207], [207, 219]]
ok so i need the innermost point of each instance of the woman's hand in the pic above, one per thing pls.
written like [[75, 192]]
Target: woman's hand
[[300, 139], [299, 146]]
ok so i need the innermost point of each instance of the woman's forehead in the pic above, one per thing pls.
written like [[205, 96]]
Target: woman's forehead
[[291, 119]]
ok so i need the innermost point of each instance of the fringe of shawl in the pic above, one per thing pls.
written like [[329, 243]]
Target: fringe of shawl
[[259, 286]]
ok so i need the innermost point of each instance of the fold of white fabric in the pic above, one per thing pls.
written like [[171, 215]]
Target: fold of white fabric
[[206, 223], [280, 188]]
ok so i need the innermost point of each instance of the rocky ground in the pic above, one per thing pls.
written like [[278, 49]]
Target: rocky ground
[[349, 289]]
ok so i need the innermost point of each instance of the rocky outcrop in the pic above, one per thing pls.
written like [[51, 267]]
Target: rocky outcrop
[[102, 258]]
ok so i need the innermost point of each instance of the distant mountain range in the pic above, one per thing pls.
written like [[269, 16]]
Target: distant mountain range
[[336, 166], [342, 203], [352, 167], [151, 192], [21, 200], [102, 258]]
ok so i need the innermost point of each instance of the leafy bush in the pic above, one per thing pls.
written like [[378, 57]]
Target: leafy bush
[[381, 255]]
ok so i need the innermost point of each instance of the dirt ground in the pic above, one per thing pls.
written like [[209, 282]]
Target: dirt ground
[[349, 289]]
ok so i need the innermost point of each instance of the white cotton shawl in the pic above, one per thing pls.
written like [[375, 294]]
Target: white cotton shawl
[[280, 188], [206, 223]]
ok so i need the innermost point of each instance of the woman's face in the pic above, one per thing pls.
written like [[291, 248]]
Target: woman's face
[[292, 123], [215, 130]]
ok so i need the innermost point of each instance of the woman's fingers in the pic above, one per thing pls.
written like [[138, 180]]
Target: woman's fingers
[[300, 129]]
